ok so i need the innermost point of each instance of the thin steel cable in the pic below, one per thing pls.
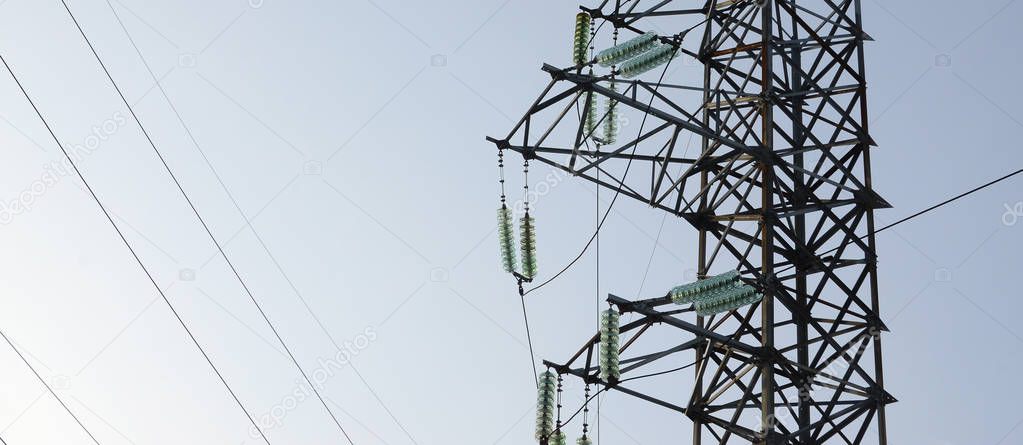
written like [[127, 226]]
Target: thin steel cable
[[605, 388], [202, 221], [618, 192], [262, 243], [522, 294], [259, 238], [595, 237], [927, 210], [48, 388], [586, 247], [529, 338], [134, 254], [655, 374], [600, 223], [596, 260], [657, 239], [949, 201], [587, 400], [582, 408]]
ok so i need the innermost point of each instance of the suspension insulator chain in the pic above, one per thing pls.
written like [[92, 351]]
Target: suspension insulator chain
[[609, 344], [545, 406], [527, 233]]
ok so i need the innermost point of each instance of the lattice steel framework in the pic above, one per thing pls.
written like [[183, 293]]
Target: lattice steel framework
[[780, 190]]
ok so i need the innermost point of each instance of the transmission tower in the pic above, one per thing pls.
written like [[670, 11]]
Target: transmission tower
[[779, 190]]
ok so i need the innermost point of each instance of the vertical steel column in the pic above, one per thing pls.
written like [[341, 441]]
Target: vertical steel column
[[701, 272], [875, 332], [794, 51], [767, 219]]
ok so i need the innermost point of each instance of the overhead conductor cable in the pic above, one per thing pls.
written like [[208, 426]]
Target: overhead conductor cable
[[134, 254], [206, 227]]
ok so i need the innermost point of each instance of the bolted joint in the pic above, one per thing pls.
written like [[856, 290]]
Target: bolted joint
[[869, 199], [773, 438], [595, 13], [695, 412], [529, 153], [703, 220], [556, 73], [875, 325], [771, 217], [805, 386], [802, 259], [502, 144]]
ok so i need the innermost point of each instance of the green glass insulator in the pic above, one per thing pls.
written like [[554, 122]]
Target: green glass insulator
[[591, 115], [583, 441], [545, 401], [722, 298], [727, 300], [580, 50], [703, 289], [628, 49], [558, 438], [527, 240], [609, 345], [506, 237], [611, 118], [647, 61]]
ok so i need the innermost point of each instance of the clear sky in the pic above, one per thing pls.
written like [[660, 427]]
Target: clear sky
[[336, 149]]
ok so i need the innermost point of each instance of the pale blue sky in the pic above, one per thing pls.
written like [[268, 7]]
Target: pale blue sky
[[351, 135]]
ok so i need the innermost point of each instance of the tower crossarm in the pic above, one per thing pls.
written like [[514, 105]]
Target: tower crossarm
[[753, 129]]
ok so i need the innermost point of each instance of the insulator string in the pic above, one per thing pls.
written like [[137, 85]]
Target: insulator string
[[500, 168]]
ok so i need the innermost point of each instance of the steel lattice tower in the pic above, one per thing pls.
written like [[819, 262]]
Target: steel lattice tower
[[779, 190]]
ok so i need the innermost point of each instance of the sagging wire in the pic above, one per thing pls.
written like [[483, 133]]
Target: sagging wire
[[610, 130], [131, 250], [559, 435], [584, 408], [584, 439], [208, 230], [925, 211], [614, 199]]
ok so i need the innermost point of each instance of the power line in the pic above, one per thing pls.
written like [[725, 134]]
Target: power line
[[529, 339], [618, 191], [202, 221], [607, 387], [582, 407], [134, 254], [596, 232], [659, 373], [48, 388], [596, 262], [251, 228], [594, 237], [949, 201], [928, 210], [889, 226], [581, 252]]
